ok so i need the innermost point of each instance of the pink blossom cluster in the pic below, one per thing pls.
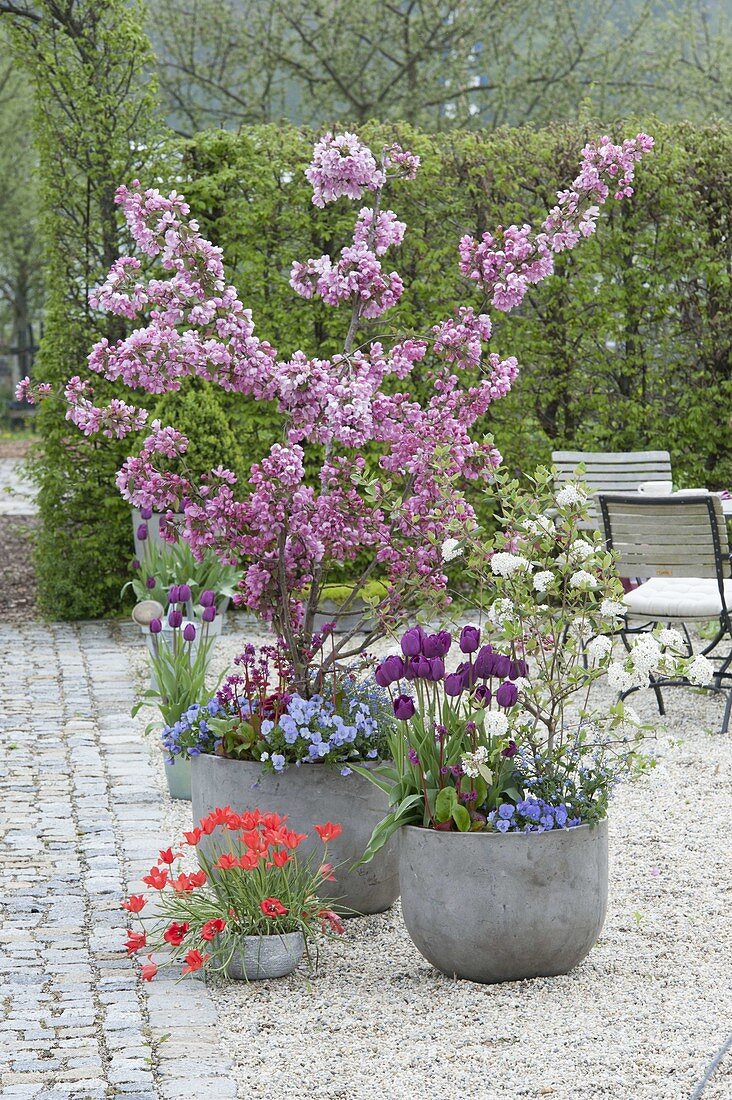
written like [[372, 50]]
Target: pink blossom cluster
[[506, 263], [287, 529], [32, 393], [115, 420], [357, 276], [342, 165]]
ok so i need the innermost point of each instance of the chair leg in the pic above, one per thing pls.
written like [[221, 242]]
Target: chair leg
[[659, 697]]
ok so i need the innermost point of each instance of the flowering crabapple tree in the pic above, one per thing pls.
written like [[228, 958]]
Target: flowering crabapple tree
[[290, 535]]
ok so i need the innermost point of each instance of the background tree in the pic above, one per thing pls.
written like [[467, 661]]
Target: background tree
[[20, 254], [438, 63], [95, 126]]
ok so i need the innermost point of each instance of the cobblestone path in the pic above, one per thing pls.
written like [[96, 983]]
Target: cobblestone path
[[80, 818]]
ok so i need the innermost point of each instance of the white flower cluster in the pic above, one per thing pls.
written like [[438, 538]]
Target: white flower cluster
[[700, 672], [542, 525], [495, 723], [598, 648], [580, 550], [673, 639], [504, 564], [570, 494], [451, 549], [501, 612], [582, 579], [543, 579], [612, 609], [471, 761]]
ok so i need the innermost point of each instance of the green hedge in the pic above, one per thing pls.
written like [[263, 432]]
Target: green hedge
[[627, 346]]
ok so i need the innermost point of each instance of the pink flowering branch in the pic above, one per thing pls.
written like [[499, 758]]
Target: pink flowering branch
[[290, 534]]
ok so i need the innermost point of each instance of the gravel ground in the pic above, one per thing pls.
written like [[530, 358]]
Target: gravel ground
[[641, 1018]]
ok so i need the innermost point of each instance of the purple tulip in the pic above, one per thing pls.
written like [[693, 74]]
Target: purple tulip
[[381, 677], [413, 758], [469, 639], [518, 668], [437, 669], [175, 618], [482, 695], [146, 513], [501, 666], [484, 663], [155, 626], [437, 645], [208, 598], [174, 594], [404, 708], [208, 614], [394, 667], [510, 750], [412, 641], [468, 674], [150, 582], [453, 684], [422, 668], [507, 694], [184, 593], [136, 563], [142, 532], [189, 632]]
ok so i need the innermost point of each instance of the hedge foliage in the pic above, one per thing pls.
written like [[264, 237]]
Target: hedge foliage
[[626, 347]]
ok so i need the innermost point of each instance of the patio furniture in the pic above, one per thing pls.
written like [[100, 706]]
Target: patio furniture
[[678, 544], [612, 471]]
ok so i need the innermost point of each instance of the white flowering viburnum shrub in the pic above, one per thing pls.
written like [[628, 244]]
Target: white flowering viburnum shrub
[[551, 595]]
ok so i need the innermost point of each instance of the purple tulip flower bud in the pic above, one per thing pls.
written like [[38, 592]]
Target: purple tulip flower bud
[[484, 662], [174, 594], [510, 750], [437, 669], [413, 758], [155, 626], [404, 708], [518, 668], [453, 684], [482, 695], [136, 563], [468, 674], [394, 668], [208, 598], [501, 666], [412, 642], [142, 532], [150, 582], [175, 618], [437, 645], [469, 639], [507, 694], [184, 593], [189, 632], [146, 513], [381, 676], [421, 667], [208, 614]]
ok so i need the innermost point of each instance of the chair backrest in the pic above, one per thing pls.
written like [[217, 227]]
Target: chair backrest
[[612, 471], [666, 536]]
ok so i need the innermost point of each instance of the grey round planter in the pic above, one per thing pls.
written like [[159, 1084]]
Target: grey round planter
[[257, 958], [178, 777], [495, 908], [330, 611], [309, 795], [153, 529]]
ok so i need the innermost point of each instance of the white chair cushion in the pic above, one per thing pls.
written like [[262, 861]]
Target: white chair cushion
[[682, 598]]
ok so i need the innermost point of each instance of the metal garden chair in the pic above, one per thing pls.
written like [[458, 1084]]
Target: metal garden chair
[[679, 545]]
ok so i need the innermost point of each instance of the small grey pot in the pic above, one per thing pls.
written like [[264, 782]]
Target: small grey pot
[[260, 957]]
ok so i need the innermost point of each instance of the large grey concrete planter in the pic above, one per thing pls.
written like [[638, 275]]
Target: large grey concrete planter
[[309, 795], [494, 907], [257, 958]]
